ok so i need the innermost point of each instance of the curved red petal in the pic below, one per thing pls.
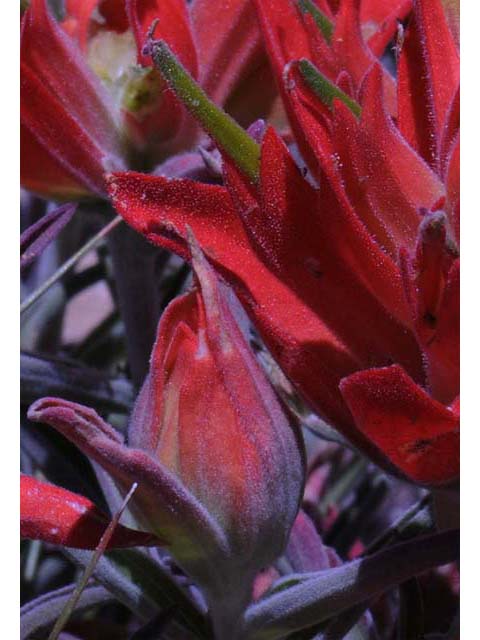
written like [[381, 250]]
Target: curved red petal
[[314, 241], [54, 60], [419, 435], [58, 516], [394, 180]]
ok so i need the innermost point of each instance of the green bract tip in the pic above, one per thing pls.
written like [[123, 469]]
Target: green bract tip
[[234, 140], [324, 89], [323, 23]]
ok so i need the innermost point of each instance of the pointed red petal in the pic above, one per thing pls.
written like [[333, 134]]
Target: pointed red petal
[[45, 122], [354, 56], [348, 45], [55, 61], [58, 516], [310, 122], [419, 435], [160, 209], [227, 38], [321, 51], [428, 77], [390, 180]]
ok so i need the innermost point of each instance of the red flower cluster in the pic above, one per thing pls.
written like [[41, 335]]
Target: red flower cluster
[[350, 272], [340, 238]]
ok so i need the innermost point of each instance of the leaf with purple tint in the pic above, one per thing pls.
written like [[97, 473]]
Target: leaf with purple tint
[[38, 236], [144, 586], [103, 544], [41, 376], [42, 612], [332, 591]]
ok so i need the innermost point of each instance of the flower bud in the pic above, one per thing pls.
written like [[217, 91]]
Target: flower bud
[[208, 414], [218, 466]]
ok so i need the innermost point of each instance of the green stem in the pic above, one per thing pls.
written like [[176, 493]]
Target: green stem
[[234, 140]]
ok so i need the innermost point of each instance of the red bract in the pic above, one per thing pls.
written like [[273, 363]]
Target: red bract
[[58, 516], [350, 275], [218, 466], [61, 102], [87, 106]]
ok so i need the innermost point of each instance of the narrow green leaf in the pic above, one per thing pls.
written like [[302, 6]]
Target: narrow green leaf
[[234, 140], [324, 89], [323, 23]]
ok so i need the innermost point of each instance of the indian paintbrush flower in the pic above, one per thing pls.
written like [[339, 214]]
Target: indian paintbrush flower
[[219, 468], [351, 272]]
